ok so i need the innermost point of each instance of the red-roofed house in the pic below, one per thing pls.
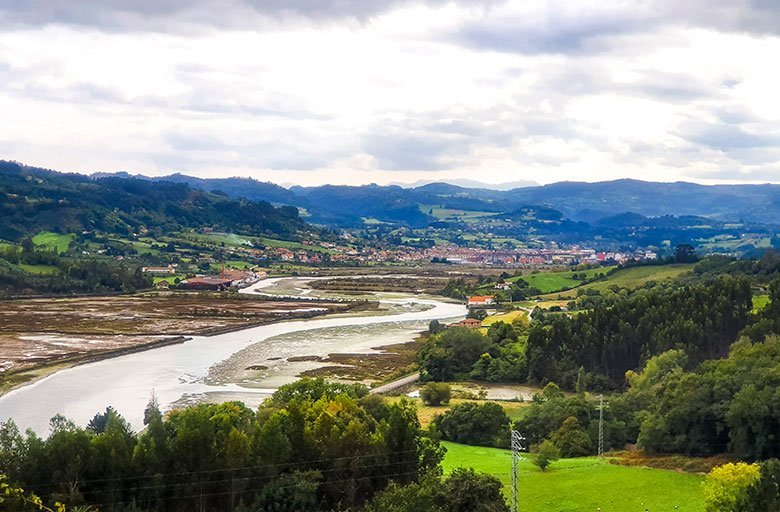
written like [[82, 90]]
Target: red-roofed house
[[481, 301]]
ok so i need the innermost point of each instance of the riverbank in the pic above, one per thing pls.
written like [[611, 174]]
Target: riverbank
[[41, 337], [248, 364]]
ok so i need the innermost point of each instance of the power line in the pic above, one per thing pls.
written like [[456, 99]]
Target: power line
[[241, 468], [517, 445], [223, 493], [601, 425]]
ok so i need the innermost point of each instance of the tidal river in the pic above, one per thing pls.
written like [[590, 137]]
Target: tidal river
[[244, 365]]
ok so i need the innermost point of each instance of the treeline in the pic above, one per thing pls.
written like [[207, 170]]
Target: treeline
[[33, 200], [312, 446], [702, 320], [617, 335], [728, 405]]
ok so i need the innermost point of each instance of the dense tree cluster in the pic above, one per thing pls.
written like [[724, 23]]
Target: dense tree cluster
[[702, 320], [72, 275], [462, 491], [729, 404], [313, 446], [470, 423], [459, 352]]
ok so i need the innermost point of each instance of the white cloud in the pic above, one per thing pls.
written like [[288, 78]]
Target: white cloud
[[344, 92]]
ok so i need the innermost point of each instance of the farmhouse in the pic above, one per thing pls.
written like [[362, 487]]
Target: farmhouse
[[468, 323], [481, 301]]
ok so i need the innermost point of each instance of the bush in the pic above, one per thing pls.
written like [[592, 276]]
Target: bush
[[727, 485], [464, 490], [436, 393], [544, 454], [477, 424]]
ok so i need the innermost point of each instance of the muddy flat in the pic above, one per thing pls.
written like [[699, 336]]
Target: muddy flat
[[40, 331]]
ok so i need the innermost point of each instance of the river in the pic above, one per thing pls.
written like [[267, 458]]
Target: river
[[215, 368]]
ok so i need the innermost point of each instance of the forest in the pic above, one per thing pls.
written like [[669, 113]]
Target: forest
[[36, 200], [312, 446]]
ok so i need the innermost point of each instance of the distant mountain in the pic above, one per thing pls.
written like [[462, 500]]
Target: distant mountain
[[753, 203], [587, 202], [34, 199], [466, 183]]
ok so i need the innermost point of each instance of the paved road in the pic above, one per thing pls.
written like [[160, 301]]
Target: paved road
[[391, 386]]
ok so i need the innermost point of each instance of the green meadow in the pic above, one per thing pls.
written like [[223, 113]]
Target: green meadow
[[584, 484], [548, 282], [631, 278], [58, 241]]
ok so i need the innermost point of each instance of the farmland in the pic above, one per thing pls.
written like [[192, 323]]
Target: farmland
[[548, 282], [584, 484], [54, 240], [504, 317], [630, 278]]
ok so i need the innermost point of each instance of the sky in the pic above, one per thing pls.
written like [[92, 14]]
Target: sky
[[355, 91]]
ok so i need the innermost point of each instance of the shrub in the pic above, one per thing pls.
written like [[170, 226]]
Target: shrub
[[544, 454], [728, 484], [436, 393]]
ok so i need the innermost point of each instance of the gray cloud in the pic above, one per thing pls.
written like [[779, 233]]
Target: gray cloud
[[411, 151], [196, 149], [172, 15], [572, 28], [727, 137]]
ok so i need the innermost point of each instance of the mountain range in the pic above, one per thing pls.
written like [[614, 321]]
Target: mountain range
[[578, 201], [621, 213]]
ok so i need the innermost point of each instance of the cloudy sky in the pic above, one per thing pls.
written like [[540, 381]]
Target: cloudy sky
[[356, 91]]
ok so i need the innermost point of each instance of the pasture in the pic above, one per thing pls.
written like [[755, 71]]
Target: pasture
[[57, 241], [583, 484], [547, 282], [630, 278]]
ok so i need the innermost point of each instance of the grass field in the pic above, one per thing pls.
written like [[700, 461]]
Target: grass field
[[6, 245], [548, 282], [55, 240], [504, 317], [39, 269], [584, 484], [629, 278], [169, 279], [451, 214], [759, 302]]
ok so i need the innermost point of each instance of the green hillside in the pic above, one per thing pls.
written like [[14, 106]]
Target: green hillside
[[631, 278], [549, 282]]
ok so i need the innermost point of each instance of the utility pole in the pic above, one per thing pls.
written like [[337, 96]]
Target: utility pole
[[517, 446], [601, 425]]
